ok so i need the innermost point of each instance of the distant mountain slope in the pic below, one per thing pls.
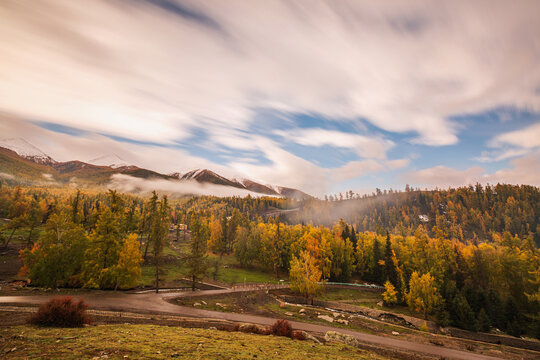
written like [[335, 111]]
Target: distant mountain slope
[[293, 193], [208, 176], [258, 188], [14, 165]]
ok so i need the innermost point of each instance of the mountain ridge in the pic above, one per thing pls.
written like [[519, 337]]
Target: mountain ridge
[[30, 163]]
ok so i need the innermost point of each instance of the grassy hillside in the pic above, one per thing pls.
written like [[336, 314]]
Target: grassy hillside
[[160, 342], [13, 164]]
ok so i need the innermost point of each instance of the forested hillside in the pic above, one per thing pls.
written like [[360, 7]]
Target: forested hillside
[[473, 263], [470, 213]]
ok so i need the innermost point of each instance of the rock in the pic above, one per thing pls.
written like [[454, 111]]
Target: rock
[[301, 311], [326, 318], [310, 337], [197, 304], [335, 315], [288, 313], [223, 306], [302, 314], [212, 328], [282, 305], [339, 337], [343, 321], [380, 303], [252, 328], [204, 302], [395, 333]]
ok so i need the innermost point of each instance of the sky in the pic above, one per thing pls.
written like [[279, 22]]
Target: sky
[[323, 96]]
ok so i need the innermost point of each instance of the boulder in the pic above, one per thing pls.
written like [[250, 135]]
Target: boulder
[[301, 311], [395, 333], [335, 315], [343, 321], [197, 304], [326, 318], [310, 337], [288, 313], [339, 337]]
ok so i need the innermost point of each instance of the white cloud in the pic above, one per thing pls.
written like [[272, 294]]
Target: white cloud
[[174, 188], [512, 144], [135, 70], [523, 171], [527, 138], [365, 147]]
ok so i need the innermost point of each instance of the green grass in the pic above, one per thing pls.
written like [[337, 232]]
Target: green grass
[[161, 342], [231, 273], [172, 277], [340, 294]]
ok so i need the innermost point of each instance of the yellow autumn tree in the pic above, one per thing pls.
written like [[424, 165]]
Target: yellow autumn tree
[[128, 269], [215, 242], [305, 276], [423, 296], [390, 294]]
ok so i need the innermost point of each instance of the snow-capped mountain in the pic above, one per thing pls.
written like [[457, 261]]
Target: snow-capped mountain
[[112, 160], [208, 176], [256, 187], [28, 151]]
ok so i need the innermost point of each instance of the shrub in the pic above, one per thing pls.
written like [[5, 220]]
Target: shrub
[[61, 312], [281, 328]]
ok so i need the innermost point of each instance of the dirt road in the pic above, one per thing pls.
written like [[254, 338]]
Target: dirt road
[[156, 303]]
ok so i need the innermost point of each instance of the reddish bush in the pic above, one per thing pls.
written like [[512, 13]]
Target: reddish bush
[[298, 335], [281, 328], [61, 312]]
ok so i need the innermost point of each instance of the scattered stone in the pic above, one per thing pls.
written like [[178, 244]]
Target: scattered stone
[[212, 328], [326, 318], [339, 337], [282, 305], [302, 314], [301, 311], [335, 315], [395, 333], [204, 302], [288, 313], [249, 328], [223, 306], [197, 304], [380, 303], [343, 321], [310, 337]]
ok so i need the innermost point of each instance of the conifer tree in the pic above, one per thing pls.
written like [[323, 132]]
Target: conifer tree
[[197, 257]]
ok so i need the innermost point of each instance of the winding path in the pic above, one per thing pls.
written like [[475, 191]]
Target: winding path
[[156, 303]]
